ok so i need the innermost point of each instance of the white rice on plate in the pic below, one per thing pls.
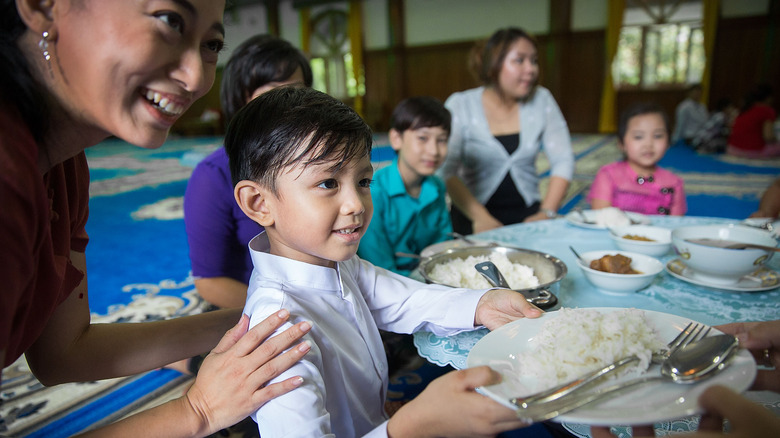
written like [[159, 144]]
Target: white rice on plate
[[461, 272], [578, 341], [612, 217]]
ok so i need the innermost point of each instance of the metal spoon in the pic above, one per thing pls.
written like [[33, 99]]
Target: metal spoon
[[695, 362], [578, 255], [541, 298]]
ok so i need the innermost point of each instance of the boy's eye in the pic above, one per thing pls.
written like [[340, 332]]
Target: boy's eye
[[328, 184], [422, 138], [366, 182], [173, 20]]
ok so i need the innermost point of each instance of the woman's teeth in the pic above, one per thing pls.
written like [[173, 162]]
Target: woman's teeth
[[163, 103]]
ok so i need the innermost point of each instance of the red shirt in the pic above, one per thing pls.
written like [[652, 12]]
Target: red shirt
[[42, 220], [748, 130]]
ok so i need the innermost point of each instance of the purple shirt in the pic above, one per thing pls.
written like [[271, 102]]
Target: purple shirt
[[619, 184], [217, 230]]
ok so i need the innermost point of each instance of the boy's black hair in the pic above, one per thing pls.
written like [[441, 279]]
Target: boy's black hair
[[420, 112], [639, 109], [287, 125], [259, 60]]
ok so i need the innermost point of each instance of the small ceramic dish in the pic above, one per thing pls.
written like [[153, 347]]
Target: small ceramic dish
[[648, 267], [628, 239]]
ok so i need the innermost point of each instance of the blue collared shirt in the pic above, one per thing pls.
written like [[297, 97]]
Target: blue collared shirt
[[402, 223]]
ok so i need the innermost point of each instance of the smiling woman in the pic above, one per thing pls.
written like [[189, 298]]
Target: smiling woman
[[72, 74]]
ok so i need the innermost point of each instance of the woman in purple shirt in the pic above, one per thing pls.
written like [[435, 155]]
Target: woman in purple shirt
[[217, 230]]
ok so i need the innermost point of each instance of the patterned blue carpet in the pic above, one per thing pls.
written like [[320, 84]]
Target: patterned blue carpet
[[139, 267]]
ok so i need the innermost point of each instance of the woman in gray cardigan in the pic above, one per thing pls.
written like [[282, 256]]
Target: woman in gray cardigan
[[497, 131]]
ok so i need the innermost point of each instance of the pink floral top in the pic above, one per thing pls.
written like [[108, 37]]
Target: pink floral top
[[617, 183]]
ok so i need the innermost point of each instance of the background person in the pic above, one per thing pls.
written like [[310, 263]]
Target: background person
[[753, 133], [637, 183], [410, 205], [689, 116], [217, 230], [73, 73], [497, 131]]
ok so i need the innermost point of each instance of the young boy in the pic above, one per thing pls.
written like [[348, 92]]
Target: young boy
[[300, 163], [410, 206]]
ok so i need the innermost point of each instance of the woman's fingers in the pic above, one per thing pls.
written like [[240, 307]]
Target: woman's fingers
[[260, 332]]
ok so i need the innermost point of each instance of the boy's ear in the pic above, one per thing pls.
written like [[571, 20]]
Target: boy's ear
[[252, 198], [396, 139], [37, 15]]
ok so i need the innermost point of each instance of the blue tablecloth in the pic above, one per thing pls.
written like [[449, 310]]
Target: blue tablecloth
[[666, 293]]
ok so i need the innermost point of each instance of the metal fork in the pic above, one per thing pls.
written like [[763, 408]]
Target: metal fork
[[692, 332]]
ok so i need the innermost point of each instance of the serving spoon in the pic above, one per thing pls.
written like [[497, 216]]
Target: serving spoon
[[697, 361]]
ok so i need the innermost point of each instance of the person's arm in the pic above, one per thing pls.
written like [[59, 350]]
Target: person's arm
[[601, 189], [71, 349], [769, 206], [223, 292], [229, 386], [556, 145], [462, 198], [212, 234], [450, 406], [556, 191]]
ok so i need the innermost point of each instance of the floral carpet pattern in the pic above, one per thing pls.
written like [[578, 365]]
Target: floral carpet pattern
[[139, 267]]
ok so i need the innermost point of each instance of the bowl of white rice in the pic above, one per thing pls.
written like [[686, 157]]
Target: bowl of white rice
[[534, 274]]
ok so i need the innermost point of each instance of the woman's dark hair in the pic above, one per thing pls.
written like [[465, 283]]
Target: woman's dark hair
[[257, 61], [290, 125], [640, 109], [18, 89], [488, 56], [758, 94], [420, 112]]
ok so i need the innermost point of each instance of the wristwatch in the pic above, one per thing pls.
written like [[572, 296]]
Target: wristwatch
[[549, 213]]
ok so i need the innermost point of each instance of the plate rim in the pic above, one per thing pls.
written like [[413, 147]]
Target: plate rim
[[638, 418], [718, 286], [642, 218]]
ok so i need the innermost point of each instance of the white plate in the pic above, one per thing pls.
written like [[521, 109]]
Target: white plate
[[574, 218], [447, 244], [645, 405], [760, 280]]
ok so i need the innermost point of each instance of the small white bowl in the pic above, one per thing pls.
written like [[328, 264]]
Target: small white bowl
[[721, 265], [661, 244], [621, 283]]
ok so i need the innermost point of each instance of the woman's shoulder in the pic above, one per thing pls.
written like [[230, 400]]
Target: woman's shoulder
[[461, 97]]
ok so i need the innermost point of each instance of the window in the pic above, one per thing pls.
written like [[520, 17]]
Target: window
[[660, 45], [331, 61]]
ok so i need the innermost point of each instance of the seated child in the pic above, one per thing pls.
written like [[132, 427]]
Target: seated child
[[410, 205], [637, 183], [300, 162]]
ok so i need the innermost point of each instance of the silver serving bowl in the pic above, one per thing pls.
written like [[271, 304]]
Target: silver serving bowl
[[548, 269]]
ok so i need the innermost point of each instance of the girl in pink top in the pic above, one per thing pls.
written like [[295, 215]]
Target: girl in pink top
[[637, 184]]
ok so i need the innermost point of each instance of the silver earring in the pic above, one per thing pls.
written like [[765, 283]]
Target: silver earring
[[43, 44]]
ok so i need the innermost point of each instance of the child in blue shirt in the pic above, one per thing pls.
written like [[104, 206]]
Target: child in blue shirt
[[410, 207]]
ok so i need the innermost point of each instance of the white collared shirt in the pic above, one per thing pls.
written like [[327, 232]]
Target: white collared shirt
[[345, 373]]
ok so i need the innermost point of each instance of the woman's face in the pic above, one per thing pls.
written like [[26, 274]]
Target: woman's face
[[130, 68], [520, 70]]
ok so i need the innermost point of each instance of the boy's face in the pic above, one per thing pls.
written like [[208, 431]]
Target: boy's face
[[320, 216], [420, 151]]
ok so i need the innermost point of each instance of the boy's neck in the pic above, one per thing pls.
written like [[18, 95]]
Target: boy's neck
[[412, 180], [278, 248]]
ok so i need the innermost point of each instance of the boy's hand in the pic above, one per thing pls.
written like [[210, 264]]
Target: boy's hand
[[500, 306]]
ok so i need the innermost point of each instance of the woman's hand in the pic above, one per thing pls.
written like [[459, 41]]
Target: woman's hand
[[538, 216], [762, 339], [231, 383], [450, 407]]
